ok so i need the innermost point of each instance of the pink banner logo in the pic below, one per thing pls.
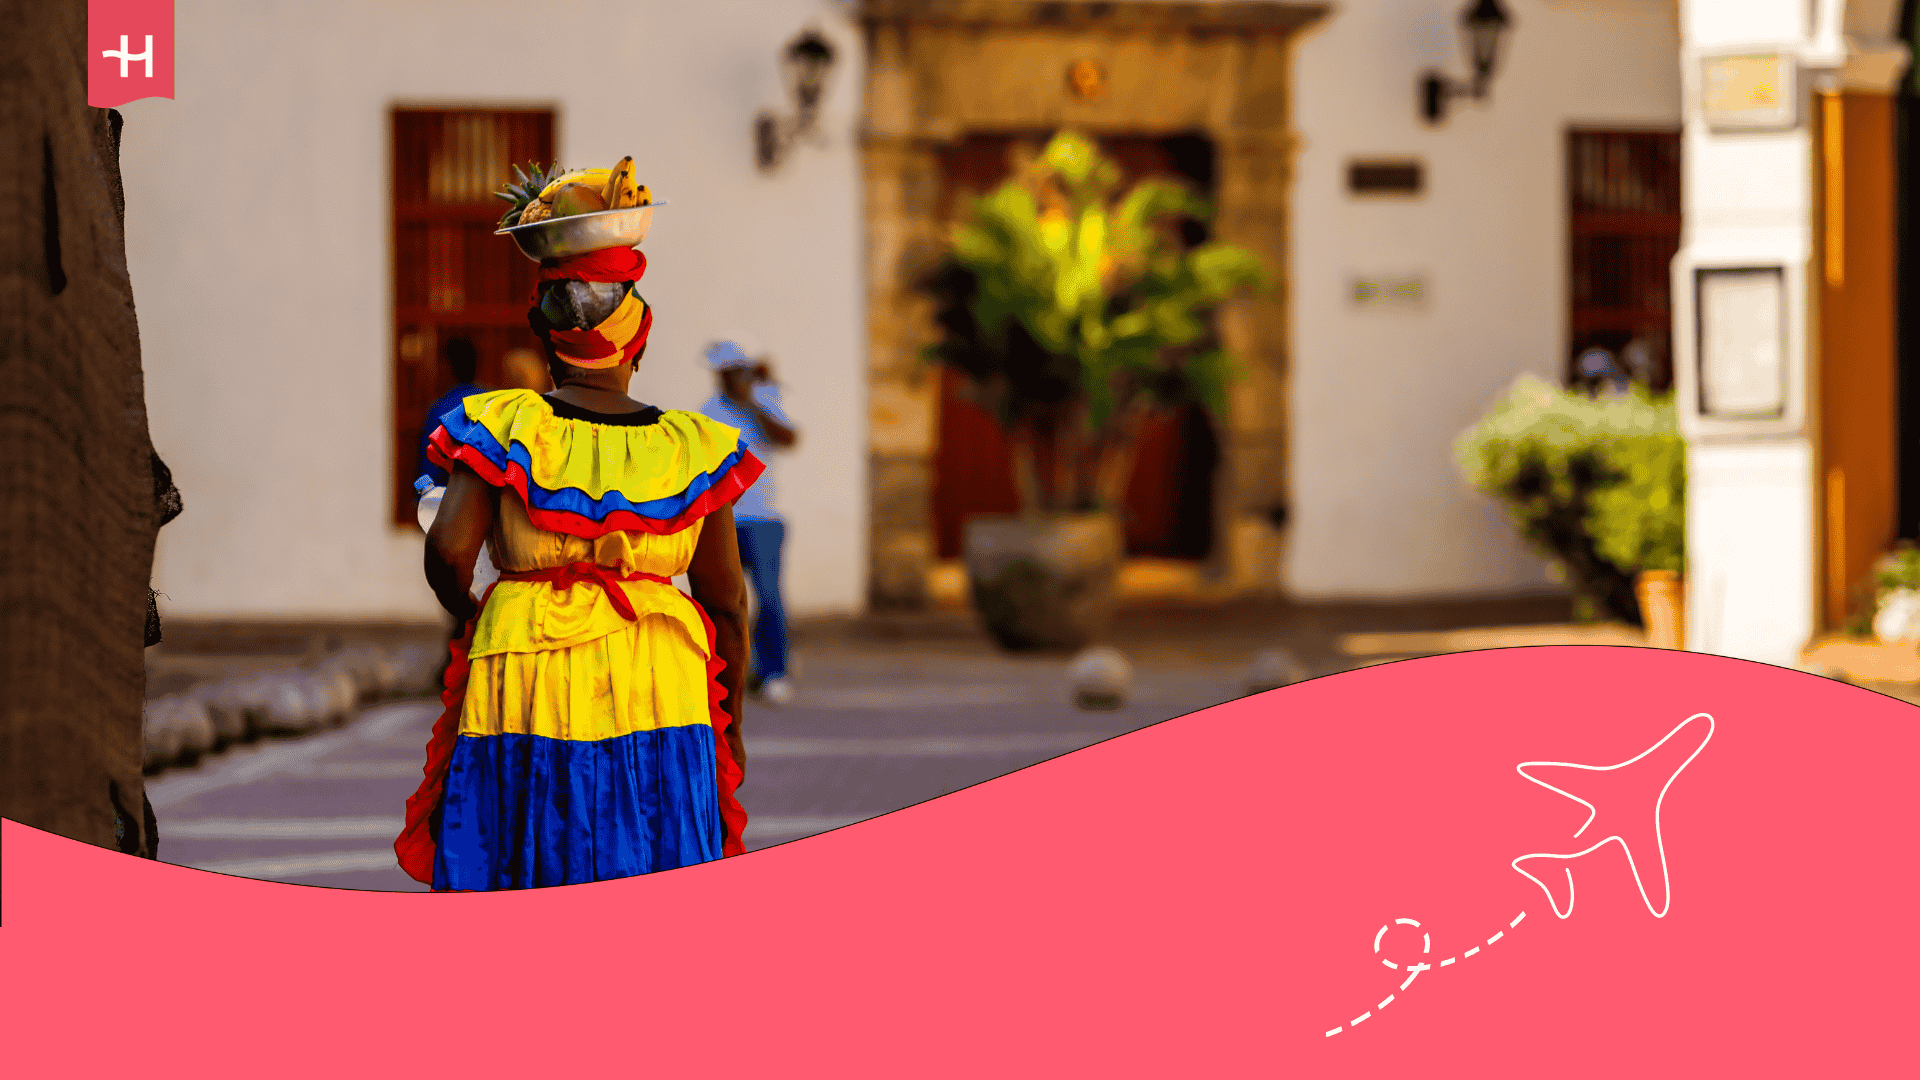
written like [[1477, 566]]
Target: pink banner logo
[[129, 51]]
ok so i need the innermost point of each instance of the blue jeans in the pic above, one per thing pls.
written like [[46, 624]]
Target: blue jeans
[[760, 543]]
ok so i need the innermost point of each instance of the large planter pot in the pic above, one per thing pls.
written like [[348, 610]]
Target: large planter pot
[[1043, 582], [1663, 608]]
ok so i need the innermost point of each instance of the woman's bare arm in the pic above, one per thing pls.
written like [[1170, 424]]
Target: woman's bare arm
[[720, 587], [453, 544]]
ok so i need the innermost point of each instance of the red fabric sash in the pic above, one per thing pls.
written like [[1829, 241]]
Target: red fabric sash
[[607, 264], [415, 845], [566, 577]]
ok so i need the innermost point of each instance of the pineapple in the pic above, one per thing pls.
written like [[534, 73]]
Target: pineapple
[[528, 206]]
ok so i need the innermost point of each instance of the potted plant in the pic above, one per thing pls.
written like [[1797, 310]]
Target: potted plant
[[1896, 596], [1073, 310], [1599, 486]]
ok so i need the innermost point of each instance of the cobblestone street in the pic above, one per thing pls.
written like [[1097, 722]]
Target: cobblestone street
[[889, 714], [871, 732]]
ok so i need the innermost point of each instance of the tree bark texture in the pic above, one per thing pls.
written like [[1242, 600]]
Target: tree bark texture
[[78, 507]]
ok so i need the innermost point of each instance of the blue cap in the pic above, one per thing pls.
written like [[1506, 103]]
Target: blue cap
[[421, 485], [722, 355]]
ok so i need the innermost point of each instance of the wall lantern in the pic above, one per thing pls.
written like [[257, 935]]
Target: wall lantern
[[805, 64], [1484, 22]]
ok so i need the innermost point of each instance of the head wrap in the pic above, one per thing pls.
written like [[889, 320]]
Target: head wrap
[[622, 334]]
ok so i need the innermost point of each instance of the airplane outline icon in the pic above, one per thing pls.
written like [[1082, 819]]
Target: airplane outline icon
[[1592, 813]]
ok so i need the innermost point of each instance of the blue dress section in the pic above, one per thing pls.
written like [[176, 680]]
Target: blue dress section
[[573, 500], [528, 811]]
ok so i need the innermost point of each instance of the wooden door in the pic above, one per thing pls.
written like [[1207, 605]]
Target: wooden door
[[1169, 502], [1906, 243], [1623, 201], [1857, 376], [452, 278]]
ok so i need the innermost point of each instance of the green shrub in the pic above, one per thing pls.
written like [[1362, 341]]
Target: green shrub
[[1597, 484], [1898, 569]]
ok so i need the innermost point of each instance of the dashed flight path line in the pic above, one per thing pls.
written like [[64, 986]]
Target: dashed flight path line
[[1413, 970]]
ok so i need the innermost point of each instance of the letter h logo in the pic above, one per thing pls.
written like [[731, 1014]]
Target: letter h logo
[[116, 76], [125, 56]]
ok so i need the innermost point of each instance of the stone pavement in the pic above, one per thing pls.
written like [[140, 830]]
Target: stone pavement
[[891, 711]]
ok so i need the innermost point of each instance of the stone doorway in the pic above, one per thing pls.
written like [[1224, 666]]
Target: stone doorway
[[941, 70]]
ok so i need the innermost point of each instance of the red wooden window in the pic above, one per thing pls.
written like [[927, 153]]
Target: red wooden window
[[452, 278], [1623, 199]]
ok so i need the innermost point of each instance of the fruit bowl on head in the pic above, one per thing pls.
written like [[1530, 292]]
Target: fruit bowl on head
[[577, 234]]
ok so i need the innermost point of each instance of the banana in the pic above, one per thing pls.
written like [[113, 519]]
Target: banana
[[593, 178], [620, 186]]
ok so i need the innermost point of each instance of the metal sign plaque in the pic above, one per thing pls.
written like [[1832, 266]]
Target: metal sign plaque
[[1755, 92], [1741, 348]]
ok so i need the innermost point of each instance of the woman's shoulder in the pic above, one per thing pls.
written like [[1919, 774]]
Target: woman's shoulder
[[702, 426], [507, 402], [589, 477]]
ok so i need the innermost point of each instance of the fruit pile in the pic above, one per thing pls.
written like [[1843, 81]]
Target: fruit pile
[[553, 194]]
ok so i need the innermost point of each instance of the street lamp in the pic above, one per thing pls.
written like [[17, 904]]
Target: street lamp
[[805, 63], [1484, 23]]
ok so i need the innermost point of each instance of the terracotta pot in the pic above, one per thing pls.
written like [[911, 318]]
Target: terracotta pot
[[1663, 608], [1043, 582]]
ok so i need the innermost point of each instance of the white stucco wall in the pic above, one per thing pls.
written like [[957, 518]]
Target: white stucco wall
[[1750, 502], [1379, 396], [258, 239]]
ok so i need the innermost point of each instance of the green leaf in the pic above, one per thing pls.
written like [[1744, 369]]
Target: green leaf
[[1210, 375]]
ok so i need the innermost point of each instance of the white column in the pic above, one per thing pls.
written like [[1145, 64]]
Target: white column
[[1748, 201]]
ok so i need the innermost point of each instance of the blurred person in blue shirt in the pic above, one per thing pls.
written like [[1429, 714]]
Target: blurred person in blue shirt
[[464, 359], [748, 399]]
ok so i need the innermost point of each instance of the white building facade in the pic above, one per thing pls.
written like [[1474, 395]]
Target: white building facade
[[259, 241], [260, 244], [1381, 391]]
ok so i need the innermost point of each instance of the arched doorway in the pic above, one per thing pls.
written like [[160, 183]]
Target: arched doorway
[[942, 72]]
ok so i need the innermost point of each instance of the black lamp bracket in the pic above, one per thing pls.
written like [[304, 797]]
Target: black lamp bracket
[[1485, 22], [1437, 92], [806, 62]]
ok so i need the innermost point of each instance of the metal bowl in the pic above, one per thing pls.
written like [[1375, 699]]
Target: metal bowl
[[560, 238]]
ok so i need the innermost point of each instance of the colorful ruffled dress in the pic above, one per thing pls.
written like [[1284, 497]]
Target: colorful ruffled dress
[[583, 733]]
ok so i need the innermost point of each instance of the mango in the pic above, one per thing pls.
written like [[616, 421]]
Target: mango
[[577, 199]]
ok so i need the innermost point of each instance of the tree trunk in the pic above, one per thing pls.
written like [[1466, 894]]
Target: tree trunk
[[78, 513], [1026, 474], [1118, 448]]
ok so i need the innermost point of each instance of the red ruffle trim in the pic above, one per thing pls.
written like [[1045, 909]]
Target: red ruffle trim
[[443, 450], [729, 772], [415, 845]]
